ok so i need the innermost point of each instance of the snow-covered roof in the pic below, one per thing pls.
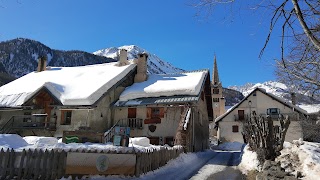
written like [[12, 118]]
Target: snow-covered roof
[[288, 104], [82, 85], [166, 85]]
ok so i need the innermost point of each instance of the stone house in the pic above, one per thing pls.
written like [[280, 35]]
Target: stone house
[[95, 98], [162, 106], [56, 99], [230, 124]]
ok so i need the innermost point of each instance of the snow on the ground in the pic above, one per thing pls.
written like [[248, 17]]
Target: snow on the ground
[[16, 142], [301, 156], [8, 141], [229, 146], [165, 85], [249, 160]]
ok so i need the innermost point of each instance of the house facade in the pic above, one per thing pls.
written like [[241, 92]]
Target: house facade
[[57, 99], [169, 108], [230, 124]]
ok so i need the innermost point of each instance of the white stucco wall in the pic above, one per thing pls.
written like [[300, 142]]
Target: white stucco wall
[[259, 103]]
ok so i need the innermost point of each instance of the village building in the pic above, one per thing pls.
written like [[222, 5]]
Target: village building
[[169, 109], [91, 102], [218, 100], [230, 124], [57, 99]]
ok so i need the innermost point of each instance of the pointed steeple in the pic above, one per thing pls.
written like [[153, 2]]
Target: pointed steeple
[[215, 74]]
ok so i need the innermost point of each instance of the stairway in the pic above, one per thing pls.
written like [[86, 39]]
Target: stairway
[[181, 133], [7, 127]]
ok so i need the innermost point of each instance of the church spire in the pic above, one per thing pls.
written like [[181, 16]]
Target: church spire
[[215, 74]]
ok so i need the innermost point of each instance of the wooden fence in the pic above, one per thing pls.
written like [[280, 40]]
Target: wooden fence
[[51, 164], [152, 160], [36, 164]]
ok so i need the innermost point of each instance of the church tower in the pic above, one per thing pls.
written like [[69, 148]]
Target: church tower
[[218, 101]]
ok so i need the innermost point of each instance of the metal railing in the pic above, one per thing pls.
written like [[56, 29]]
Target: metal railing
[[27, 122]]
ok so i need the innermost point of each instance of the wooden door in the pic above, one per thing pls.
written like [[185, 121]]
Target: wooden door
[[132, 112], [241, 114]]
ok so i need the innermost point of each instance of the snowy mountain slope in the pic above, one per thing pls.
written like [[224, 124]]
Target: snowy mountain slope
[[155, 64], [281, 90], [19, 57]]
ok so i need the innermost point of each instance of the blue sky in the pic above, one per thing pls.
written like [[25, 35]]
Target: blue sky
[[166, 28]]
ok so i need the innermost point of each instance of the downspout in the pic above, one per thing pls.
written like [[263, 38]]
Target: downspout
[[193, 145], [87, 118]]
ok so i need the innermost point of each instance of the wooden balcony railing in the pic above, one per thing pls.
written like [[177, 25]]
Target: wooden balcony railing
[[36, 121]]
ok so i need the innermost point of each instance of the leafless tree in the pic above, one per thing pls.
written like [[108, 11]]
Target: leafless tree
[[264, 137], [299, 24]]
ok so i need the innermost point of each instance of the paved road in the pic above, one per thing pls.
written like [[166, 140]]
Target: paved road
[[223, 166]]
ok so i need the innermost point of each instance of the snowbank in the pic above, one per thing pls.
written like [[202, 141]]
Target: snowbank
[[249, 160], [140, 141], [301, 156], [12, 141], [18, 143]]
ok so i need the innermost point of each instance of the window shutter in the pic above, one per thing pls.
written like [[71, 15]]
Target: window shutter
[[148, 113], [132, 112], [161, 115]]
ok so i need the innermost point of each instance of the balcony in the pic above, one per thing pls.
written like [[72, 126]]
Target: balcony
[[35, 121], [133, 123]]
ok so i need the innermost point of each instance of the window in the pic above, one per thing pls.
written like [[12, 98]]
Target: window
[[273, 111], [254, 94], [132, 112], [155, 112], [66, 117], [241, 114], [27, 117], [215, 99], [235, 128], [215, 91]]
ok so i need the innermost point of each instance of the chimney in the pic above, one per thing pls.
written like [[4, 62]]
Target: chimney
[[123, 58], [42, 63], [293, 98], [141, 68]]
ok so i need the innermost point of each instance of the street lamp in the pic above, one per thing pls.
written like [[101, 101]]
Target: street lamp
[[250, 103]]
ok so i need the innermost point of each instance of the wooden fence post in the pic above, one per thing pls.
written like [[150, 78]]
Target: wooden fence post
[[138, 164]]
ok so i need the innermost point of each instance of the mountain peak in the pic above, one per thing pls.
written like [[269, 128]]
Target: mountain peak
[[155, 64], [277, 88]]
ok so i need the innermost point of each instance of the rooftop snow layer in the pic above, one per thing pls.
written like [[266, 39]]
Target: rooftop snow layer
[[82, 85], [188, 83]]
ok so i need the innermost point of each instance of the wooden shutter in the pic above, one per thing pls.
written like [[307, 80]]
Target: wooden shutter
[[241, 114], [132, 112], [161, 115], [148, 113]]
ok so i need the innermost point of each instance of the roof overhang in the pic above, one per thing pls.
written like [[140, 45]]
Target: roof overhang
[[157, 100]]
